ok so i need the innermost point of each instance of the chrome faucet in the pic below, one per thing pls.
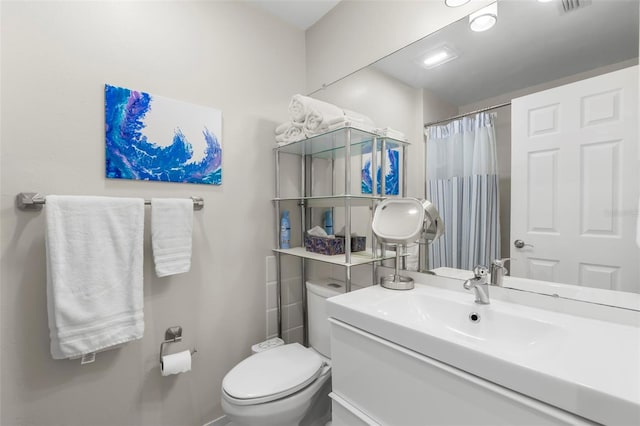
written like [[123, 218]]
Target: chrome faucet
[[498, 271], [479, 284]]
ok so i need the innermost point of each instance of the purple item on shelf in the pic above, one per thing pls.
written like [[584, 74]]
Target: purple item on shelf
[[357, 243], [324, 245]]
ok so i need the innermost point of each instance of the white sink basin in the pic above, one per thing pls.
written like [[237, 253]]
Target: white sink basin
[[584, 366], [458, 319]]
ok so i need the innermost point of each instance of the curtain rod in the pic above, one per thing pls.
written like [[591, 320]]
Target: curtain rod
[[33, 201], [433, 123]]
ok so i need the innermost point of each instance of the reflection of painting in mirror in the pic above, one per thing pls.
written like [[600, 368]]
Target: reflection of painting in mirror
[[391, 176]]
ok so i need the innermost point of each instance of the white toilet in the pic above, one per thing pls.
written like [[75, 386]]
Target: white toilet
[[287, 385]]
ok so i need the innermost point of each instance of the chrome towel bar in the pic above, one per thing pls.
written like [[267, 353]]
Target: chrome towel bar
[[33, 201]]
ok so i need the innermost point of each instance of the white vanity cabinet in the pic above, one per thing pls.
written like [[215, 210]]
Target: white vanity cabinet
[[379, 382]]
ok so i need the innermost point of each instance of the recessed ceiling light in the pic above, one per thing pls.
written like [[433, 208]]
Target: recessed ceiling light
[[485, 18], [545, 1], [455, 3], [436, 57]]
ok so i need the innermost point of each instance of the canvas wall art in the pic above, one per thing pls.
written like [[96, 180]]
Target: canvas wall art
[[391, 176], [154, 138]]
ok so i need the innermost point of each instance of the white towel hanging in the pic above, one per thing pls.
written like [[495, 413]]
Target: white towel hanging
[[171, 235], [94, 273]]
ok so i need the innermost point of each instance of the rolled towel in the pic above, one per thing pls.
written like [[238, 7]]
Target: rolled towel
[[388, 132], [357, 117], [300, 107], [293, 133], [336, 120], [283, 127], [353, 124], [315, 124]]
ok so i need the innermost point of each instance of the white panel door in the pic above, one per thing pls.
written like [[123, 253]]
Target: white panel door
[[574, 189]]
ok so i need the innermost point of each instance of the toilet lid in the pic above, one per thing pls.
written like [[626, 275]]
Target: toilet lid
[[273, 374]]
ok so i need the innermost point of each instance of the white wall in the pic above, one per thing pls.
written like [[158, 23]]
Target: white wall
[[56, 57], [357, 33]]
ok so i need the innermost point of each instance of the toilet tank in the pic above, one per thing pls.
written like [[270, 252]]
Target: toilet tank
[[318, 291]]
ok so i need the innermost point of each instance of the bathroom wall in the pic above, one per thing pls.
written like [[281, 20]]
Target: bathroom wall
[[56, 58]]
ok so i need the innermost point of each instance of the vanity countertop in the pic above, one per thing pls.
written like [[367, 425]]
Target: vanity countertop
[[585, 366]]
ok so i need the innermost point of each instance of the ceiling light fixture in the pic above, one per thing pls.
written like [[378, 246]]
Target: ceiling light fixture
[[545, 1], [484, 19], [455, 3], [436, 57]]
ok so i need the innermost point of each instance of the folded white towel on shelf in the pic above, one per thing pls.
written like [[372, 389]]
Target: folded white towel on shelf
[[353, 124], [298, 108], [314, 124], [293, 133], [303, 108], [171, 235], [388, 132], [94, 273], [280, 129], [357, 117], [311, 117]]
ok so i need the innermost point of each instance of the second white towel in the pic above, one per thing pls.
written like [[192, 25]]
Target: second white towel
[[171, 235]]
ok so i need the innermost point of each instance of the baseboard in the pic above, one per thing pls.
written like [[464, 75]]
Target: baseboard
[[220, 421]]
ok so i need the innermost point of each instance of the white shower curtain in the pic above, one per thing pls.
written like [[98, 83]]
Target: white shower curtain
[[462, 182]]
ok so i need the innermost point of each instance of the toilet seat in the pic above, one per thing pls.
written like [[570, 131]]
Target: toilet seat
[[272, 374]]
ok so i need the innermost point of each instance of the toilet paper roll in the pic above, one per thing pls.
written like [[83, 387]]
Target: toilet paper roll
[[176, 363]]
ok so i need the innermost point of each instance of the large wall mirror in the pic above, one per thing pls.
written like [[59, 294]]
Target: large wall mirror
[[564, 215]]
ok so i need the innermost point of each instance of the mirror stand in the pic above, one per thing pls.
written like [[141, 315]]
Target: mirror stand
[[396, 281]]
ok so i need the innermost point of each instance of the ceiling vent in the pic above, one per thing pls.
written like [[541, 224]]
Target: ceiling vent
[[570, 5]]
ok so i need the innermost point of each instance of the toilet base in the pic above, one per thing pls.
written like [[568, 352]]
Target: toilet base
[[319, 414]]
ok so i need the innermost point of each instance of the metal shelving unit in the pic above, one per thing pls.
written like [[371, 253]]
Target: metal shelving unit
[[340, 146]]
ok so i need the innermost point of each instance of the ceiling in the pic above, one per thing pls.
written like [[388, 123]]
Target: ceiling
[[299, 13], [532, 43]]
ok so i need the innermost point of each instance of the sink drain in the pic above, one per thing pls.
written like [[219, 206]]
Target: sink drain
[[474, 317]]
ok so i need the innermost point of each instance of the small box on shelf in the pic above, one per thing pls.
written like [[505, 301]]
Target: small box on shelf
[[332, 246], [357, 243], [324, 245]]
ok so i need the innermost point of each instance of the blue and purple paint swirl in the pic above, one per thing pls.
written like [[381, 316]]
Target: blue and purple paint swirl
[[391, 178], [135, 151]]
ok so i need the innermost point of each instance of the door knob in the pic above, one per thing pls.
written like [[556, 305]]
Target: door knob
[[521, 244]]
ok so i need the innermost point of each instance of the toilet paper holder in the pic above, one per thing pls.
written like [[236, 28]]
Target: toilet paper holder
[[172, 335]]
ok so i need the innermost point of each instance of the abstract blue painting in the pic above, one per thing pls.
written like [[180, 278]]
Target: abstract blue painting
[[149, 137], [391, 176]]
